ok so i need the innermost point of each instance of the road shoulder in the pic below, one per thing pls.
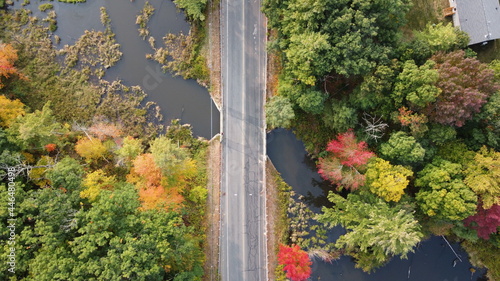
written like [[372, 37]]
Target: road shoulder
[[277, 198], [211, 267]]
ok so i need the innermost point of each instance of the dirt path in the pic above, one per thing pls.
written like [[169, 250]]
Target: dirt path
[[213, 212], [213, 21]]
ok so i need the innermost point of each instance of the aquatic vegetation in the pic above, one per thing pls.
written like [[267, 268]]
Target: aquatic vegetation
[[52, 20], [45, 7], [69, 87], [143, 19], [95, 49], [72, 1], [180, 55]]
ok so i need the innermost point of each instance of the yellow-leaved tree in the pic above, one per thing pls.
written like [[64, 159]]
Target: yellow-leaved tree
[[386, 180], [90, 148], [9, 110], [483, 176], [95, 182]]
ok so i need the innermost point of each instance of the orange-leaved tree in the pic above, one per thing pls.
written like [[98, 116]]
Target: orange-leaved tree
[[148, 179], [296, 261], [8, 56]]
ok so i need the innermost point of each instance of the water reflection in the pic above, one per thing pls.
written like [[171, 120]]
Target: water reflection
[[433, 260]]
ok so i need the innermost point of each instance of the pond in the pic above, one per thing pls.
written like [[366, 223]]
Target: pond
[[177, 98], [433, 259]]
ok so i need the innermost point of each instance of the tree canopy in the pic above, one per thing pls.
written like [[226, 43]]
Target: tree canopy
[[375, 231], [403, 149], [466, 84], [444, 194], [296, 262], [386, 180], [346, 161]]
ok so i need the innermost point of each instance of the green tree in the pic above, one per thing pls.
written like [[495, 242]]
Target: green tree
[[416, 85], [312, 101], [441, 134], [375, 231], [485, 126], [441, 37], [194, 8], [67, 174], [35, 130], [443, 193], [402, 149], [307, 98], [168, 156], [373, 94], [23, 253], [130, 149], [386, 180], [113, 240], [339, 116], [348, 38], [306, 56], [279, 112], [416, 50], [365, 32]]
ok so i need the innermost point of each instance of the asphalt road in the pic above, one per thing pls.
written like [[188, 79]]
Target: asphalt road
[[243, 239]]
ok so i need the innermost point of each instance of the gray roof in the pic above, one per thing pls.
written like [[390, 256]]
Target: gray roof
[[479, 18]]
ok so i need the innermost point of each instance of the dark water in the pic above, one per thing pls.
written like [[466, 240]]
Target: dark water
[[177, 98], [432, 261]]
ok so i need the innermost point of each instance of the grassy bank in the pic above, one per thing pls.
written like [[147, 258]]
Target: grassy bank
[[277, 199]]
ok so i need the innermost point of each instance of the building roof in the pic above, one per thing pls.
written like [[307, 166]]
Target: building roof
[[479, 18]]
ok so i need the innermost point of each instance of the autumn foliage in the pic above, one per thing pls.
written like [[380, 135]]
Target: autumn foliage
[[346, 159], [485, 221], [9, 110], [50, 147], [90, 148], [466, 83], [8, 56], [152, 188], [296, 261], [103, 130]]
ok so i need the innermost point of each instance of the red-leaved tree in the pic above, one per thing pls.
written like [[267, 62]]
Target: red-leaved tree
[[485, 222], [296, 261], [50, 147], [466, 83], [346, 161]]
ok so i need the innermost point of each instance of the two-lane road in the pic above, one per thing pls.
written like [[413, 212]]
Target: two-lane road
[[243, 226]]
